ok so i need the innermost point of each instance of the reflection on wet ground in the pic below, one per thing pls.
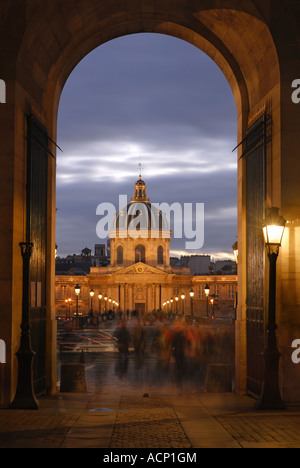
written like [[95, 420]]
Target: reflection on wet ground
[[165, 357]]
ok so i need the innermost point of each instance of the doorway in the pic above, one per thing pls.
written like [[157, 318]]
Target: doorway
[[140, 309]]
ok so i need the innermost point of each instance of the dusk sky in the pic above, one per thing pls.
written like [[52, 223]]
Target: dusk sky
[[160, 100]]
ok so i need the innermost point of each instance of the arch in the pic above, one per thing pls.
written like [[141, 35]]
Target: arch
[[140, 253], [237, 39], [249, 45], [120, 255], [160, 255]]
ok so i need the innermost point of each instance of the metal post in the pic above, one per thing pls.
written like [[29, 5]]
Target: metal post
[[25, 397], [270, 398]]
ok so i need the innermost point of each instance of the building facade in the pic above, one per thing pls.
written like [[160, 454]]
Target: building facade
[[140, 279]]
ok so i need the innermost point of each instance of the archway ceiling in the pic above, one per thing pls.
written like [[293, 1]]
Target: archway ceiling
[[58, 34]]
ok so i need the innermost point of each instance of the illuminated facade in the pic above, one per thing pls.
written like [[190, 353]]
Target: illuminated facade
[[140, 277]]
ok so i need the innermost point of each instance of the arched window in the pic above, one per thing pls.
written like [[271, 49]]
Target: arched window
[[120, 255], [140, 254], [160, 255]]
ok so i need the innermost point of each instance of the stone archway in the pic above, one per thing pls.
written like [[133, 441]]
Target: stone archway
[[248, 40]]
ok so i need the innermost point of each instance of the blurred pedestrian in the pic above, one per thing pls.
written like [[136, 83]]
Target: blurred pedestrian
[[123, 336], [139, 340]]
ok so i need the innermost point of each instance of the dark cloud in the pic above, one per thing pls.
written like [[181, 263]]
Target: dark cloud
[[159, 98]]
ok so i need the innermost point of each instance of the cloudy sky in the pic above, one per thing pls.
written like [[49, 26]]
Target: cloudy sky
[[161, 101]]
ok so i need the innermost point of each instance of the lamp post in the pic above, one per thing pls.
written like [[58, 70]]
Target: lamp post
[[68, 301], [92, 294], [192, 294], [176, 301], [182, 297], [77, 292], [207, 290], [105, 301], [100, 300], [25, 396], [270, 398], [235, 249], [212, 301]]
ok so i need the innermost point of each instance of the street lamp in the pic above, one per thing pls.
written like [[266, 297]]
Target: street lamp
[[192, 294], [68, 301], [182, 297], [270, 399], [105, 299], [235, 249], [77, 292], [207, 290], [100, 299], [176, 301], [92, 294], [25, 395], [212, 301]]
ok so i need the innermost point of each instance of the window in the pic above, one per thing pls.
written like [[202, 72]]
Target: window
[[140, 254], [201, 292], [216, 289], [160, 255], [63, 292], [231, 291], [120, 255]]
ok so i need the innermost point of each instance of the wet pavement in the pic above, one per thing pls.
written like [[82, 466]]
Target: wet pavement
[[136, 401]]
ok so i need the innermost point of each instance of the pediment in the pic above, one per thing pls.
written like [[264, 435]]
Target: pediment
[[140, 269]]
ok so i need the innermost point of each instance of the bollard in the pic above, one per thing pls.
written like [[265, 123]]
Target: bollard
[[218, 378], [72, 378]]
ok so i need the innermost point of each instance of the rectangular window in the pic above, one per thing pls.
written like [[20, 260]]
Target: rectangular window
[[231, 291], [63, 292], [201, 292], [215, 289]]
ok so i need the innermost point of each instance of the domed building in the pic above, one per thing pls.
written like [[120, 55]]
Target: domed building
[[140, 277], [140, 233]]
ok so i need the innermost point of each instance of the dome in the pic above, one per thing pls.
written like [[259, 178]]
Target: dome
[[140, 182], [140, 215]]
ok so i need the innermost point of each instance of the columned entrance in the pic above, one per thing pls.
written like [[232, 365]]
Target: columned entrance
[[256, 45], [140, 309]]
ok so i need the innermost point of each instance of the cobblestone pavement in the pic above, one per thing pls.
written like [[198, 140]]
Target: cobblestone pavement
[[116, 421], [146, 423], [264, 430], [143, 408], [27, 429]]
